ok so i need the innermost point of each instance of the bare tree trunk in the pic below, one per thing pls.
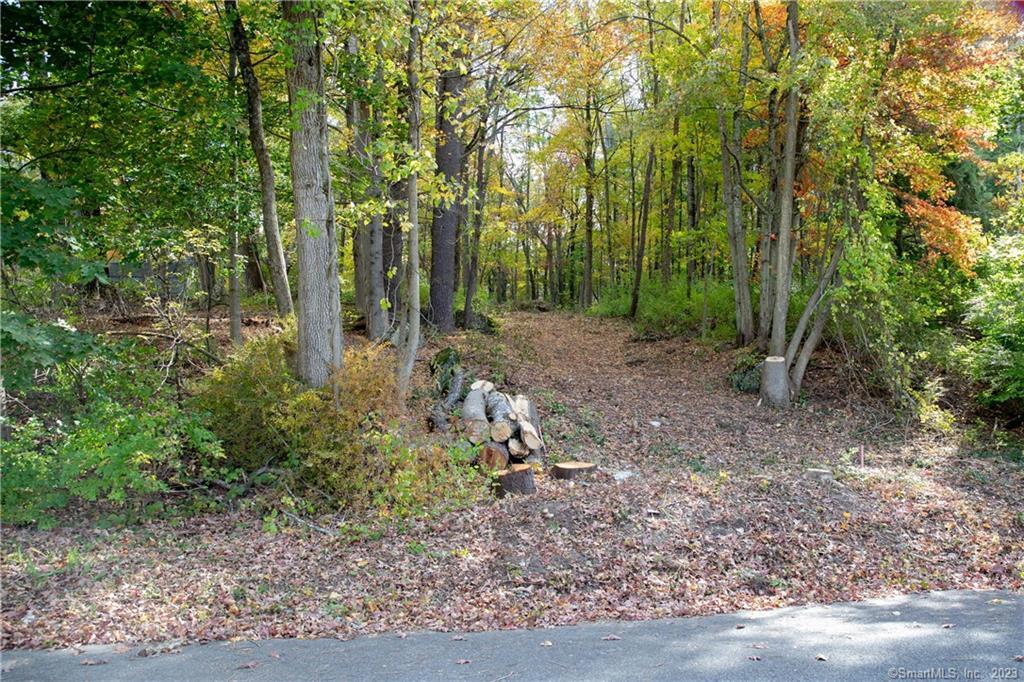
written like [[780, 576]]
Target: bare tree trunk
[[392, 245], [691, 215], [234, 293], [412, 336], [670, 209], [731, 197], [775, 384], [319, 306], [448, 152], [268, 195], [645, 213], [587, 286], [473, 254], [368, 241]]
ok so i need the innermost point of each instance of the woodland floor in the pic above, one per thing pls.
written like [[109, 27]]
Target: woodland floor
[[718, 514]]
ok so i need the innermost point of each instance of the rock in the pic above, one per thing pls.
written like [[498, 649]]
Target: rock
[[623, 475]]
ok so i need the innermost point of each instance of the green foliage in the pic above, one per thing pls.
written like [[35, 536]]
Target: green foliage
[[996, 314], [243, 400], [746, 373], [343, 442], [108, 432], [30, 346], [671, 312]]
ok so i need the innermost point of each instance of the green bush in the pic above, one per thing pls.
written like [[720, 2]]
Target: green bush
[[243, 398], [108, 432], [996, 314], [670, 311], [341, 444]]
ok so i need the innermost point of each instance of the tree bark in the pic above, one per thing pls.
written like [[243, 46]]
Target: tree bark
[[448, 152], [412, 290], [392, 245], [645, 211], [268, 194], [368, 240], [670, 209], [587, 286], [731, 195], [473, 255], [319, 306]]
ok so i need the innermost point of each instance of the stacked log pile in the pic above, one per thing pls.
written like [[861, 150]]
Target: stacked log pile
[[508, 427]]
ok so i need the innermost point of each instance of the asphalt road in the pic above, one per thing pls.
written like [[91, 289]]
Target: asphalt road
[[937, 635]]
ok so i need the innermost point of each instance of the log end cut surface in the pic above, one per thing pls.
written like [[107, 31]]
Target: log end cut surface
[[570, 470]]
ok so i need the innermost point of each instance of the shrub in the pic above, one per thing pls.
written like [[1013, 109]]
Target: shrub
[[94, 441], [342, 443], [996, 314], [671, 311], [243, 398]]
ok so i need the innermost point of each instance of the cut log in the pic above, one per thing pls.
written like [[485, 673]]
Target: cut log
[[517, 448], [494, 456], [516, 480], [499, 407], [476, 430], [473, 407], [482, 385], [474, 417], [439, 416], [567, 471], [529, 435]]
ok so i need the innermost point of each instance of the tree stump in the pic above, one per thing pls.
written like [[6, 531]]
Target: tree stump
[[775, 382], [516, 480], [568, 471]]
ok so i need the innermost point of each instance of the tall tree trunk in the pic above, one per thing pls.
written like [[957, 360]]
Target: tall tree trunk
[[473, 254], [587, 287], [731, 168], [367, 244], [392, 247], [645, 212], [691, 215], [448, 152], [234, 291], [670, 209], [268, 195], [412, 267], [319, 305]]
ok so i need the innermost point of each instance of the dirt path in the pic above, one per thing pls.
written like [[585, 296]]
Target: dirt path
[[717, 515], [668, 401]]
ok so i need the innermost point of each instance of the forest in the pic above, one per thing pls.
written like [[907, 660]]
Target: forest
[[325, 282]]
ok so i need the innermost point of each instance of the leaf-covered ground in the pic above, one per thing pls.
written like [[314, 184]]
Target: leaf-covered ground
[[718, 514]]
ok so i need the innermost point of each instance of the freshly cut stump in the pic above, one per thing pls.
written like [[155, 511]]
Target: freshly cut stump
[[516, 480], [483, 385], [568, 471], [494, 456]]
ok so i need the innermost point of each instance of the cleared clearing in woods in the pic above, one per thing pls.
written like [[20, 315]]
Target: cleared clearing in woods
[[704, 502]]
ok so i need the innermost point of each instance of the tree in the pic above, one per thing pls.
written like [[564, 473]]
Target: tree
[[268, 193], [411, 337], [319, 304], [449, 153]]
